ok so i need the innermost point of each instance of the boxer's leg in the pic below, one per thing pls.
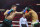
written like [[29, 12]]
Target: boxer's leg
[[36, 25]]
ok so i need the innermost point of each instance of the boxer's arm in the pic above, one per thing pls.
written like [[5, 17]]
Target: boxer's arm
[[28, 13], [5, 13], [22, 11], [19, 12]]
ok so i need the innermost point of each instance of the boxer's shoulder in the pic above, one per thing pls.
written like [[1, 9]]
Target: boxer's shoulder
[[30, 12], [7, 10]]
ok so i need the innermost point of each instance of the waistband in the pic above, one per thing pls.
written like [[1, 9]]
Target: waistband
[[34, 22], [6, 20]]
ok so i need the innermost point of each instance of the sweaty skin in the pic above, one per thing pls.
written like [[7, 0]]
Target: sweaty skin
[[33, 15], [11, 15]]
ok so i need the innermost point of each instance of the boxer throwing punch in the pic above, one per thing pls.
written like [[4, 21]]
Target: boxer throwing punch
[[9, 15]]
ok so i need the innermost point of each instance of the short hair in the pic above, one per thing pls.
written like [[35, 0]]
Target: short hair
[[14, 6]]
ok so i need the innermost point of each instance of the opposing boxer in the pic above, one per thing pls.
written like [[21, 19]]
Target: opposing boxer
[[9, 15], [34, 16]]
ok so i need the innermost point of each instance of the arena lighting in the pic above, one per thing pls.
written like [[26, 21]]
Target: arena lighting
[[37, 4], [17, 4]]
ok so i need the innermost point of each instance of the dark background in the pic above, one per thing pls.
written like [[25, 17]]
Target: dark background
[[6, 4]]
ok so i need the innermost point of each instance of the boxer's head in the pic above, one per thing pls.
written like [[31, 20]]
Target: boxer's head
[[14, 7], [29, 9]]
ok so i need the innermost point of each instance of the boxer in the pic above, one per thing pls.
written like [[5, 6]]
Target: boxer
[[9, 15], [34, 16]]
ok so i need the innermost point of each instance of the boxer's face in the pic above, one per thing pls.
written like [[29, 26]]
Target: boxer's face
[[14, 8]]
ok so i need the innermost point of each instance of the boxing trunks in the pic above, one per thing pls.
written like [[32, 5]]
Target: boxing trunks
[[7, 23], [35, 24]]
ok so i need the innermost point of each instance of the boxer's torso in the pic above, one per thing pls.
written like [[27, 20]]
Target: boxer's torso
[[34, 16], [10, 16]]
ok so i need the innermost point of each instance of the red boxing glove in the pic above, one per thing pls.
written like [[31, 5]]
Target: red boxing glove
[[26, 11]]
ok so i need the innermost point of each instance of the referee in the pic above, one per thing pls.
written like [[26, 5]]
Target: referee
[[23, 21]]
